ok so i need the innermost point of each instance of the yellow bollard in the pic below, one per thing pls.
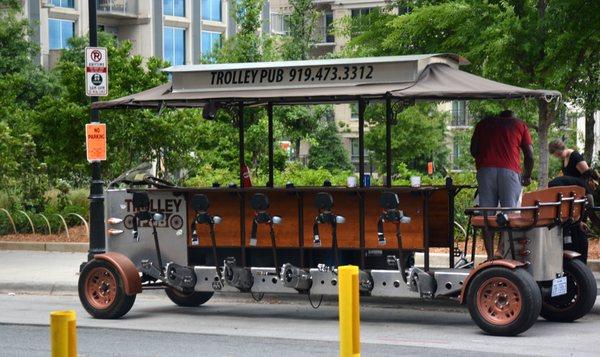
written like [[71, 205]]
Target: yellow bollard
[[349, 305], [63, 333]]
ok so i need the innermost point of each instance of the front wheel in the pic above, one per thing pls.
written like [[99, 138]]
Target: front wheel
[[102, 291], [504, 302], [191, 299], [580, 296]]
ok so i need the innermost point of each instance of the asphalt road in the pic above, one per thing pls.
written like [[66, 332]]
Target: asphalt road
[[242, 328]]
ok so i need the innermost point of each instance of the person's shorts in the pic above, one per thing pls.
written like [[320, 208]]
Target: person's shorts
[[498, 185]]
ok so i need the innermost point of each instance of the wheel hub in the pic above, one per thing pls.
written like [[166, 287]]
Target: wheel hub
[[499, 301], [100, 289]]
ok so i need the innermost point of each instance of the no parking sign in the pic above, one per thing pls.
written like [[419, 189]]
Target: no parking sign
[[96, 72]]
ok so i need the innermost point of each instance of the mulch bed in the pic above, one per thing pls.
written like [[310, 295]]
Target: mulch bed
[[76, 235]]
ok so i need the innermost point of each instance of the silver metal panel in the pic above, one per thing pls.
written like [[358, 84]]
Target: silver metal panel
[[541, 248], [207, 280], [323, 282], [449, 281], [389, 283], [172, 233], [267, 281]]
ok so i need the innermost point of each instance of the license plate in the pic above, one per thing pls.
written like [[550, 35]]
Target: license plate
[[559, 286]]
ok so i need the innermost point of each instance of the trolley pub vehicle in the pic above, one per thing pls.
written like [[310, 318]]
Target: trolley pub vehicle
[[194, 242]]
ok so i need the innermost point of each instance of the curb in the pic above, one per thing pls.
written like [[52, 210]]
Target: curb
[[46, 247], [437, 260]]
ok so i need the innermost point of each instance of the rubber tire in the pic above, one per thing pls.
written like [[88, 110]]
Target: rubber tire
[[122, 303], [530, 295], [193, 299], [585, 302]]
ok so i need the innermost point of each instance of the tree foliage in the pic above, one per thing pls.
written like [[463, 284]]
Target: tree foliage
[[521, 42]]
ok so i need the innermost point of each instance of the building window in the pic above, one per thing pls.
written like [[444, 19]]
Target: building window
[[329, 37], [361, 12], [279, 23], [60, 31], [455, 155], [174, 45], [210, 41], [211, 10], [460, 115], [354, 152], [174, 7], [63, 3], [354, 111]]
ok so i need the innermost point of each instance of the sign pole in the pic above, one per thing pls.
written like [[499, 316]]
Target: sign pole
[[97, 228]]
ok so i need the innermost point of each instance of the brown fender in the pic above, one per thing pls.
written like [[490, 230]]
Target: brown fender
[[127, 270], [507, 263], [569, 254]]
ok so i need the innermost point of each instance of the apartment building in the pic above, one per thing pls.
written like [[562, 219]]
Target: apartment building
[[178, 31]]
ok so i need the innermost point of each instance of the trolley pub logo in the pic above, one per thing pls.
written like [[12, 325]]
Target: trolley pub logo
[[291, 75], [298, 74], [170, 207]]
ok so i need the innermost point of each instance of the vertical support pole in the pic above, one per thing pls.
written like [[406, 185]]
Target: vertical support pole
[[63, 333], [349, 311], [242, 194], [451, 213], [426, 195], [388, 141], [361, 196], [97, 228], [361, 141], [270, 118], [300, 196]]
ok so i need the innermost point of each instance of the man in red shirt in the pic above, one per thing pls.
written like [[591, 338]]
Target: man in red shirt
[[496, 145]]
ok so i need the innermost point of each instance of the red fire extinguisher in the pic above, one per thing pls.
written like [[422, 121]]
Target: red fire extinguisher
[[246, 181]]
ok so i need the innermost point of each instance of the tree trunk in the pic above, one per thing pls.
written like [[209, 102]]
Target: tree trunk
[[297, 149], [546, 115], [589, 133]]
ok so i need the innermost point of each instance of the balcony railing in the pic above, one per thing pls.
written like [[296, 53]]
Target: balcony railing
[[119, 7]]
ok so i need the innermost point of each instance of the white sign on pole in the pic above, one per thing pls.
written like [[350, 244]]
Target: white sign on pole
[[96, 72]]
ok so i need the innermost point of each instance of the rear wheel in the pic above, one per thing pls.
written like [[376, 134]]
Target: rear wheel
[[580, 296], [191, 299], [102, 291], [504, 302]]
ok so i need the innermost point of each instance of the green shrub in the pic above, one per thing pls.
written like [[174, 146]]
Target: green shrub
[[6, 200]]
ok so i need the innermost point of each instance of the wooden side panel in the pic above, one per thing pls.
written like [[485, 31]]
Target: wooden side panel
[[345, 204], [226, 205], [284, 204], [438, 219], [412, 233]]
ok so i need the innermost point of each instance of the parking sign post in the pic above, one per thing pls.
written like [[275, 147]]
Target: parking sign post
[[97, 228]]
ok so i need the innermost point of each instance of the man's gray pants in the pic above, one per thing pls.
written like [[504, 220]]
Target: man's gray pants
[[498, 185]]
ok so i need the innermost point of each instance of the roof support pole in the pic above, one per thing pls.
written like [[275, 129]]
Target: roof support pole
[[270, 117], [361, 161], [241, 142], [97, 228], [361, 140], [242, 195], [388, 141]]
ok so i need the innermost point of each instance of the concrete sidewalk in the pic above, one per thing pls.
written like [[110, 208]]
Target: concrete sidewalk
[[58, 272]]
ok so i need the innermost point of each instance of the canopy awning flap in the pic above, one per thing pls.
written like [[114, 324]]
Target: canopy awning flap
[[436, 82], [441, 82]]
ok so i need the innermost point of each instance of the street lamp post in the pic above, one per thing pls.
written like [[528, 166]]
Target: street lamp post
[[97, 228]]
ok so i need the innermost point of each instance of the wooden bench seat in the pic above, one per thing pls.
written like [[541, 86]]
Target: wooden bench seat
[[543, 203]]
